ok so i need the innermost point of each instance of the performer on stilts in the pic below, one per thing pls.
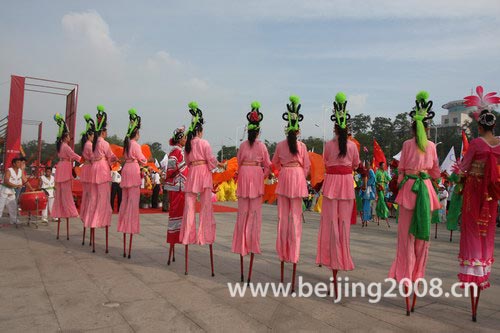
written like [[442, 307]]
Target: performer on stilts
[[292, 159], [253, 166], [128, 217], [416, 199], [176, 175], [64, 205], [341, 158], [85, 174], [480, 200], [382, 179], [201, 162], [100, 194]]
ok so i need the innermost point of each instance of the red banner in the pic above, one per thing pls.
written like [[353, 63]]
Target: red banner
[[71, 100], [15, 120], [378, 155]]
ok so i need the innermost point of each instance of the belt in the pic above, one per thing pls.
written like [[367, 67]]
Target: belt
[[130, 161], [97, 159], [291, 165], [251, 163], [339, 170], [199, 162], [421, 219], [87, 163], [415, 172], [65, 159]]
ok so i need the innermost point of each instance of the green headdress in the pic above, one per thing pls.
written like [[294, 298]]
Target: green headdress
[[420, 114], [293, 117], [90, 127], [134, 123], [254, 117], [63, 128], [197, 120], [101, 119], [340, 113]]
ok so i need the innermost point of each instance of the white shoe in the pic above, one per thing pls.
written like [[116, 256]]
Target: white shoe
[[45, 220]]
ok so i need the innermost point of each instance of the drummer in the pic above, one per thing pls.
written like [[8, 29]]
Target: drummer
[[13, 181], [47, 184]]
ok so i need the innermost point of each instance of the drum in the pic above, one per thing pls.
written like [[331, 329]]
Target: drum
[[28, 201]]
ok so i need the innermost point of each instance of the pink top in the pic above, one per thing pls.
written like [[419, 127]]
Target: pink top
[[251, 177], [200, 176], [340, 187], [291, 180], [87, 164], [64, 168], [479, 150], [412, 161], [131, 172], [101, 161]]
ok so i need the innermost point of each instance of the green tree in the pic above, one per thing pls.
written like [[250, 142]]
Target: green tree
[[156, 150], [226, 153], [271, 147], [360, 123], [115, 140], [382, 131], [314, 144]]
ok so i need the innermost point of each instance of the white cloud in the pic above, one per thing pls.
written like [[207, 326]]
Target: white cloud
[[356, 103]]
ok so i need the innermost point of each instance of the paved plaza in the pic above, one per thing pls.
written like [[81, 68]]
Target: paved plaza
[[48, 285]]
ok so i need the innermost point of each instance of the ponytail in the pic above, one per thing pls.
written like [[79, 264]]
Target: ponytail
[[96, 137], [342, 139], [292, 142], [252, 136]]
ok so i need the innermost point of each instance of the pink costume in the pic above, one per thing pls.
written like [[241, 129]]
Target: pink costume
[[477, 234], [85, 179], [100, 193], [64, 205], [338, 200], [128, 218], [291, 189], [411, 253], [254, 165], [199, 180]]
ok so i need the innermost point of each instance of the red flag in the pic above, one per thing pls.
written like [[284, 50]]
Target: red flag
[[356, 142], [465, 144], [378, 155]]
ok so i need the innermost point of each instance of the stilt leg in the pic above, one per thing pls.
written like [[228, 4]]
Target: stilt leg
[[83, 240], [293, 276], [107, 239], [407, 298], [130, 245], [414, 302], [93, 239], [335, 282], [58, 227], [186, 264], [388, 224], [67, 228], [250, 268], [212, 259], [124, 245], [474, 300], [241, 268], [282, 270], [170, 253], [477, 301], [173, 252], [436, 232], [451, 236], [90, 237]]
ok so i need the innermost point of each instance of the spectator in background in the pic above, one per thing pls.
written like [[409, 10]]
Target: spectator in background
[[47, 184], [116, 190], [155, 179]]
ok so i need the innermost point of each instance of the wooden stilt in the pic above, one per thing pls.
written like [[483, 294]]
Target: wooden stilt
[[186, 264], [293, 276], [93, 239], [335, 282], [83, 240], [67, 228], [414, 302], [451, 236], [241, 268], [124, 245], [212, 259], [173, 252], [170, 253], [250, 268], [282, 270], [407, 298], [129, 245], [107, 239], [58, 227], [436, 232]]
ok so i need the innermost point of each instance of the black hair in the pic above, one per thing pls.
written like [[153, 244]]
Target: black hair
[[291, 138], [342, 138], [83, 140], [126, 142], [48, 168], [191, 134], [97, 134], [488, 117], [252, 136], [380, 164], [59, 141]]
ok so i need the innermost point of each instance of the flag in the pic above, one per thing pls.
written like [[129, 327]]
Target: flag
[[397, 156], [356, 142], [378, 155], [465, 145], [449, 161]]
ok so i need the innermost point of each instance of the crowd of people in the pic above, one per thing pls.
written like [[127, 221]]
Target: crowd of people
[[349, 187]]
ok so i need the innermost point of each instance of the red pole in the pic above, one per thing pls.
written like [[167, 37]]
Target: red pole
[[250, 268], [124, 245], [282, 270], [39, 149], [58, 227], [293, 276], [67, 228], [241, 268], [130, 245], [93, 239], [212, 259], [83, 240], [407, 298], [107, 239], [186, 264]]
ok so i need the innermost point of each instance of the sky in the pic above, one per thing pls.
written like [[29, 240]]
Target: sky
[[157, 56]]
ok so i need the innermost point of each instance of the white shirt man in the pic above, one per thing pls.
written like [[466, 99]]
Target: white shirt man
[[13, 180], [47, 184]]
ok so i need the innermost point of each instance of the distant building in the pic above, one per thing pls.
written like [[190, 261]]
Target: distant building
[[457, 115]]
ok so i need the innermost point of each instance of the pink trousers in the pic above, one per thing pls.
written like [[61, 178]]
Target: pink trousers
[[289, 228], [246, 235], [334, 235], [64, 205], [128, 218], [206, 229], [411, 253], [100, 214]]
